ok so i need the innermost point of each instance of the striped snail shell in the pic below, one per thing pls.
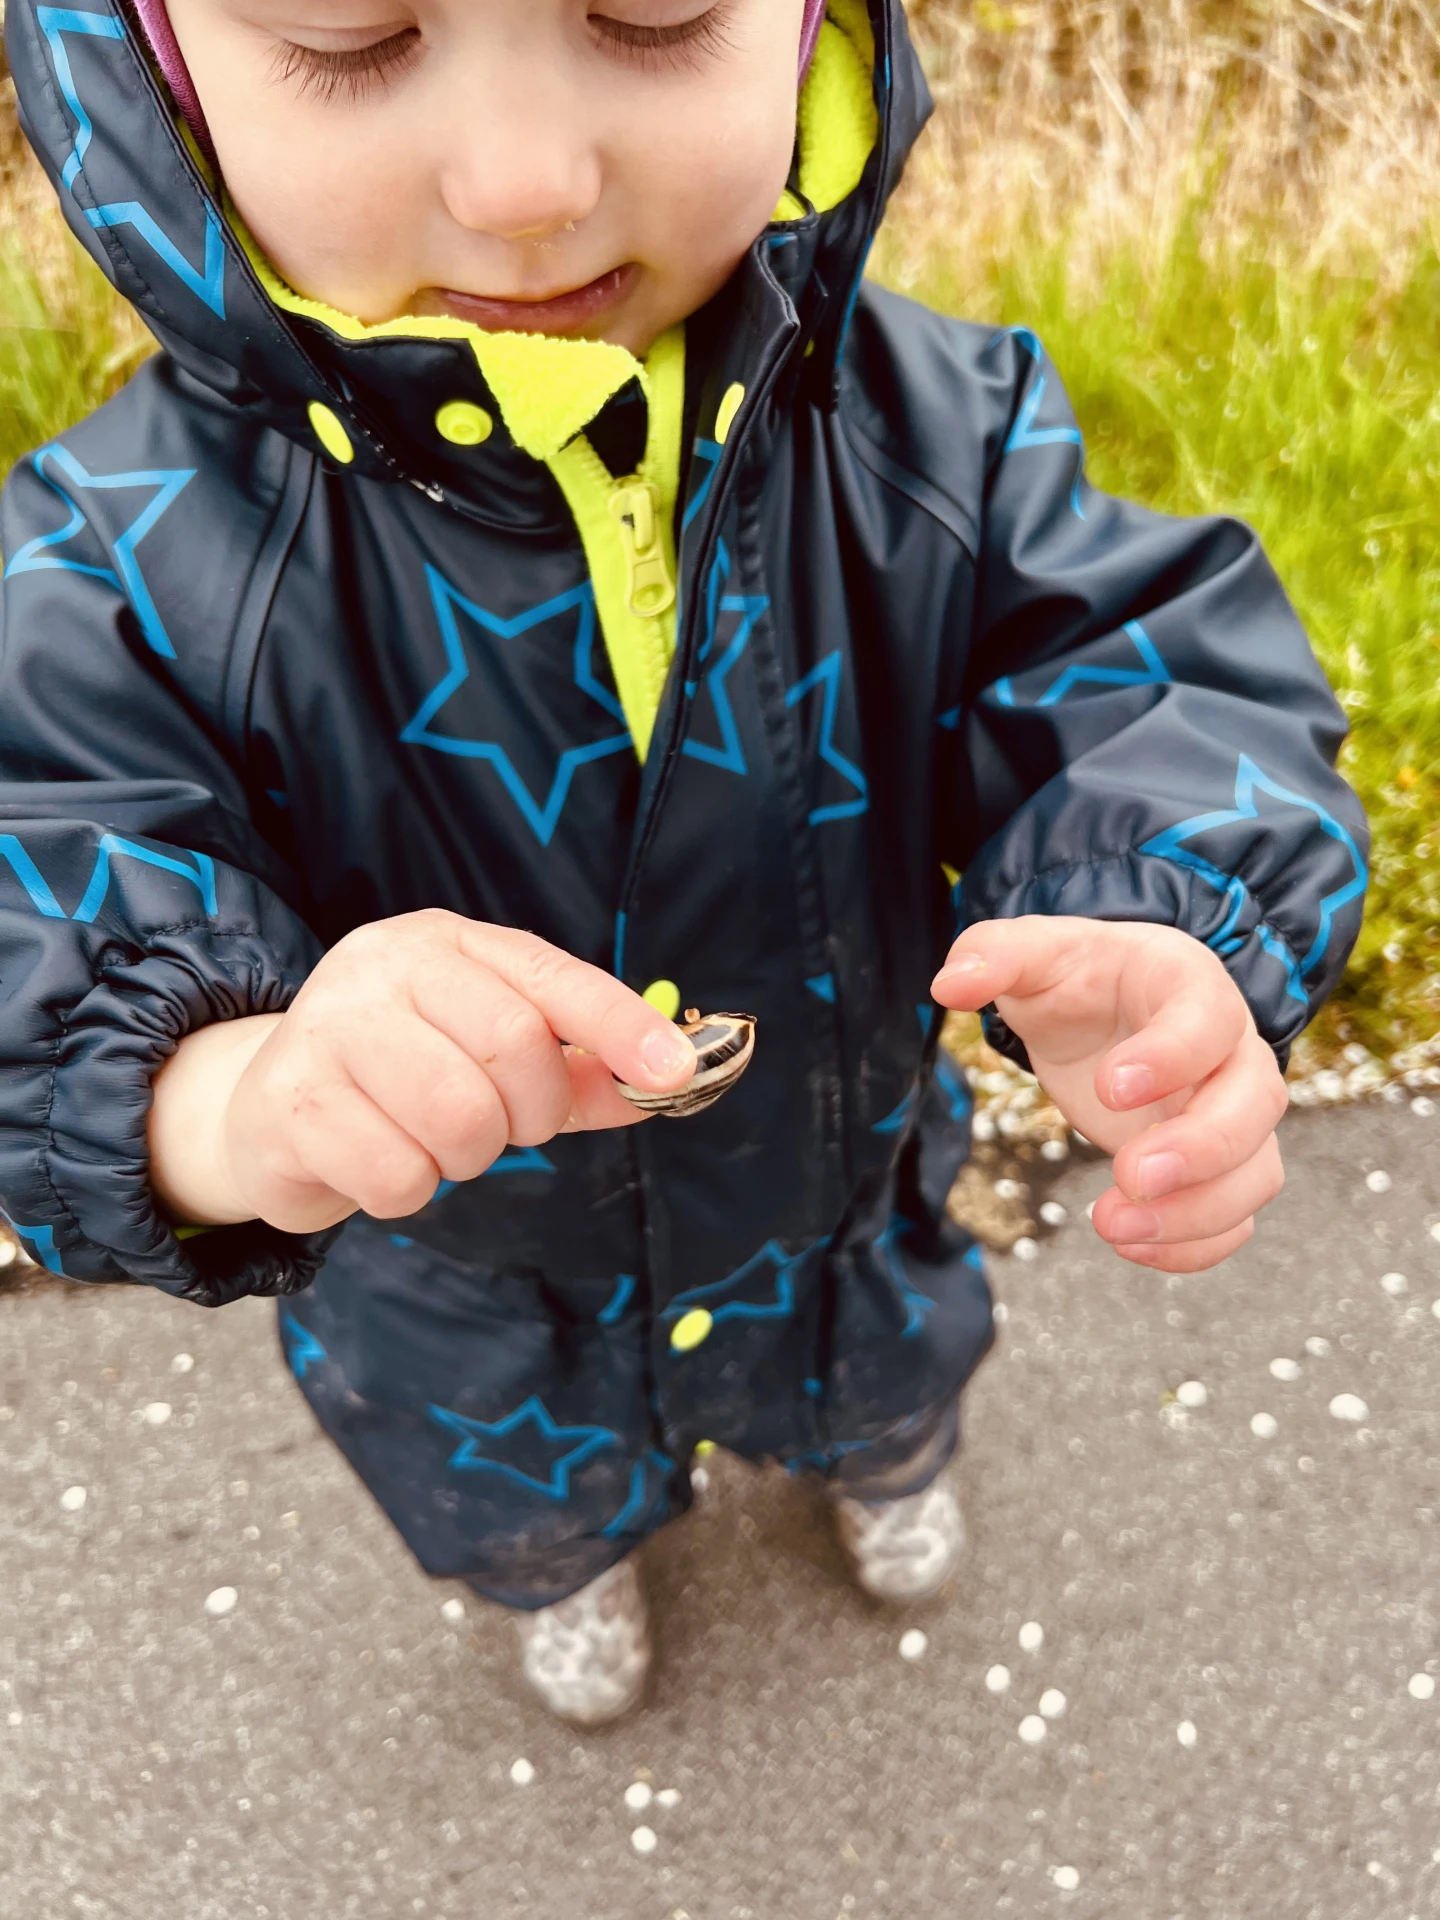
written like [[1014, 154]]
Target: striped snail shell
[[725, 1043]]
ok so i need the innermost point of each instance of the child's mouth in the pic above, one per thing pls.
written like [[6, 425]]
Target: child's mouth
[[561, 313]]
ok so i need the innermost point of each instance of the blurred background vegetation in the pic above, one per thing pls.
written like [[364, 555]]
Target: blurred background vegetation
[[1222, 217]]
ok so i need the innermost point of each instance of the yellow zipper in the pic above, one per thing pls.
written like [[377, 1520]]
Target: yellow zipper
[[627, 527]]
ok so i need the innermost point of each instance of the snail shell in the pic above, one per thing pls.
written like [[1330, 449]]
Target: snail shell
[[725, 1043]]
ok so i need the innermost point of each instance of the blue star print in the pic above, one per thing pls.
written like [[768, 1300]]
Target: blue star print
[[1026, 434], [729, 756], [772, 1256], [827, 676], [563, 1449], [302, 1349], [541, 816], [40, 1239], [201, 875], [1249, 780], [918, 1306], [37, 555], [208, 282], [1153, 674]]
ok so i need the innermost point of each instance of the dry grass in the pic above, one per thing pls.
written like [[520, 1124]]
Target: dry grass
[[1288, 123]]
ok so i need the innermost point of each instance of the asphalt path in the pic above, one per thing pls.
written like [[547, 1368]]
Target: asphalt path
[[1243, 1628]]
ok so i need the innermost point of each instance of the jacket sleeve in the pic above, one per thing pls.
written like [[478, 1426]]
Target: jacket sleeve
[[1148, 735], [134, 908]]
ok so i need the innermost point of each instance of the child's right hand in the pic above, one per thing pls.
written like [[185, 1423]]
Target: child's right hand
[[418, 1050]]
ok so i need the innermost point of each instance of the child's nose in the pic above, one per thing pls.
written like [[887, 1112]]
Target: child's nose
[[523, 181]]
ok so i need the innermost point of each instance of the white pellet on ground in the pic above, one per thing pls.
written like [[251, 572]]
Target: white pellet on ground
[[8, 1252], [1032, 1637], [522, 1773], [914, 1645], [1067, 1879], [643, 1840], [1055, 1151], [1185, 1733], [699, 1480], [1002, 1313], [1349, 1406], [157, 1413], [1435, 1231], [668, 1797], [1052, 1703], [1264, 1426], [183, 1363], [997, 1680], [1422, 1686], [1423, 1107], [1053, 1214], [1192, 1393], [1032, 1729], [1026, 1249], [1008, 1190], [72, 1499], [638, 1796], [1285, 1369], [1394, 1284], [453, 1610], [1318, 1347], [221, 1602], [1379, 1182]]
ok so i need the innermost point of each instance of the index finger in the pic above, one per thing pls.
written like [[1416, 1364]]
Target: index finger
[[586, 1007]]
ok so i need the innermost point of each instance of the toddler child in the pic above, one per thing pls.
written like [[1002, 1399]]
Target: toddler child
[[540, 586]]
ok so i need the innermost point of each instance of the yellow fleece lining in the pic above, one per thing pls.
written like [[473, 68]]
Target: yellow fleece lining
[[640, 646], [839, 122]]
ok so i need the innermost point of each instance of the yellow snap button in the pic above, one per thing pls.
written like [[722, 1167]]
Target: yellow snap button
[[693, 1331], [664, 996], [464, 425], [729, 410], [330, 432]]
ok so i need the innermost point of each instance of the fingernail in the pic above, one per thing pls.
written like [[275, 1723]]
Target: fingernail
[[1159, 1173], [666, 1053], [965, 968], [1132, 1086], [1132, 1226]]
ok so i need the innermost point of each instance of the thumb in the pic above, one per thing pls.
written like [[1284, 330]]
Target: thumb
[[1004, 957]]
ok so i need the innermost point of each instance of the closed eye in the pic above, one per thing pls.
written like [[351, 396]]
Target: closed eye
[[327, 73], [684, 45]]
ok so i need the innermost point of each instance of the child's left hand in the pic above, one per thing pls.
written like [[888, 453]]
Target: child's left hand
[[1146, 1045]]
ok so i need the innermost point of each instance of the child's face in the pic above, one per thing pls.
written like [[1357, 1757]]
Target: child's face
[[592, 168]]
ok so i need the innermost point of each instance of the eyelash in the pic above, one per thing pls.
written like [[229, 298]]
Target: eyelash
[[326, 74], [682, 46]]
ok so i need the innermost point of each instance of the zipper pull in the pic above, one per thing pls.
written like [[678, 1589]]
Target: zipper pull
[[634, 505]]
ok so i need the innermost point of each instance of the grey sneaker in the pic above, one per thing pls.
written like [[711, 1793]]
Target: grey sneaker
[[902, 1550], [589, 1657]]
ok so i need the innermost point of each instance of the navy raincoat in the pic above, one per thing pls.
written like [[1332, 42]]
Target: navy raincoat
[[299, 632]]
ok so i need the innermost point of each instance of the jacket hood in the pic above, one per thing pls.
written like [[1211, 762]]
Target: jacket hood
[[144, 202]]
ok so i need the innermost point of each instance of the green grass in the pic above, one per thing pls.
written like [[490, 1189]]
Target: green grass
[[1306, 403], [66, 341], [1309, 404]]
